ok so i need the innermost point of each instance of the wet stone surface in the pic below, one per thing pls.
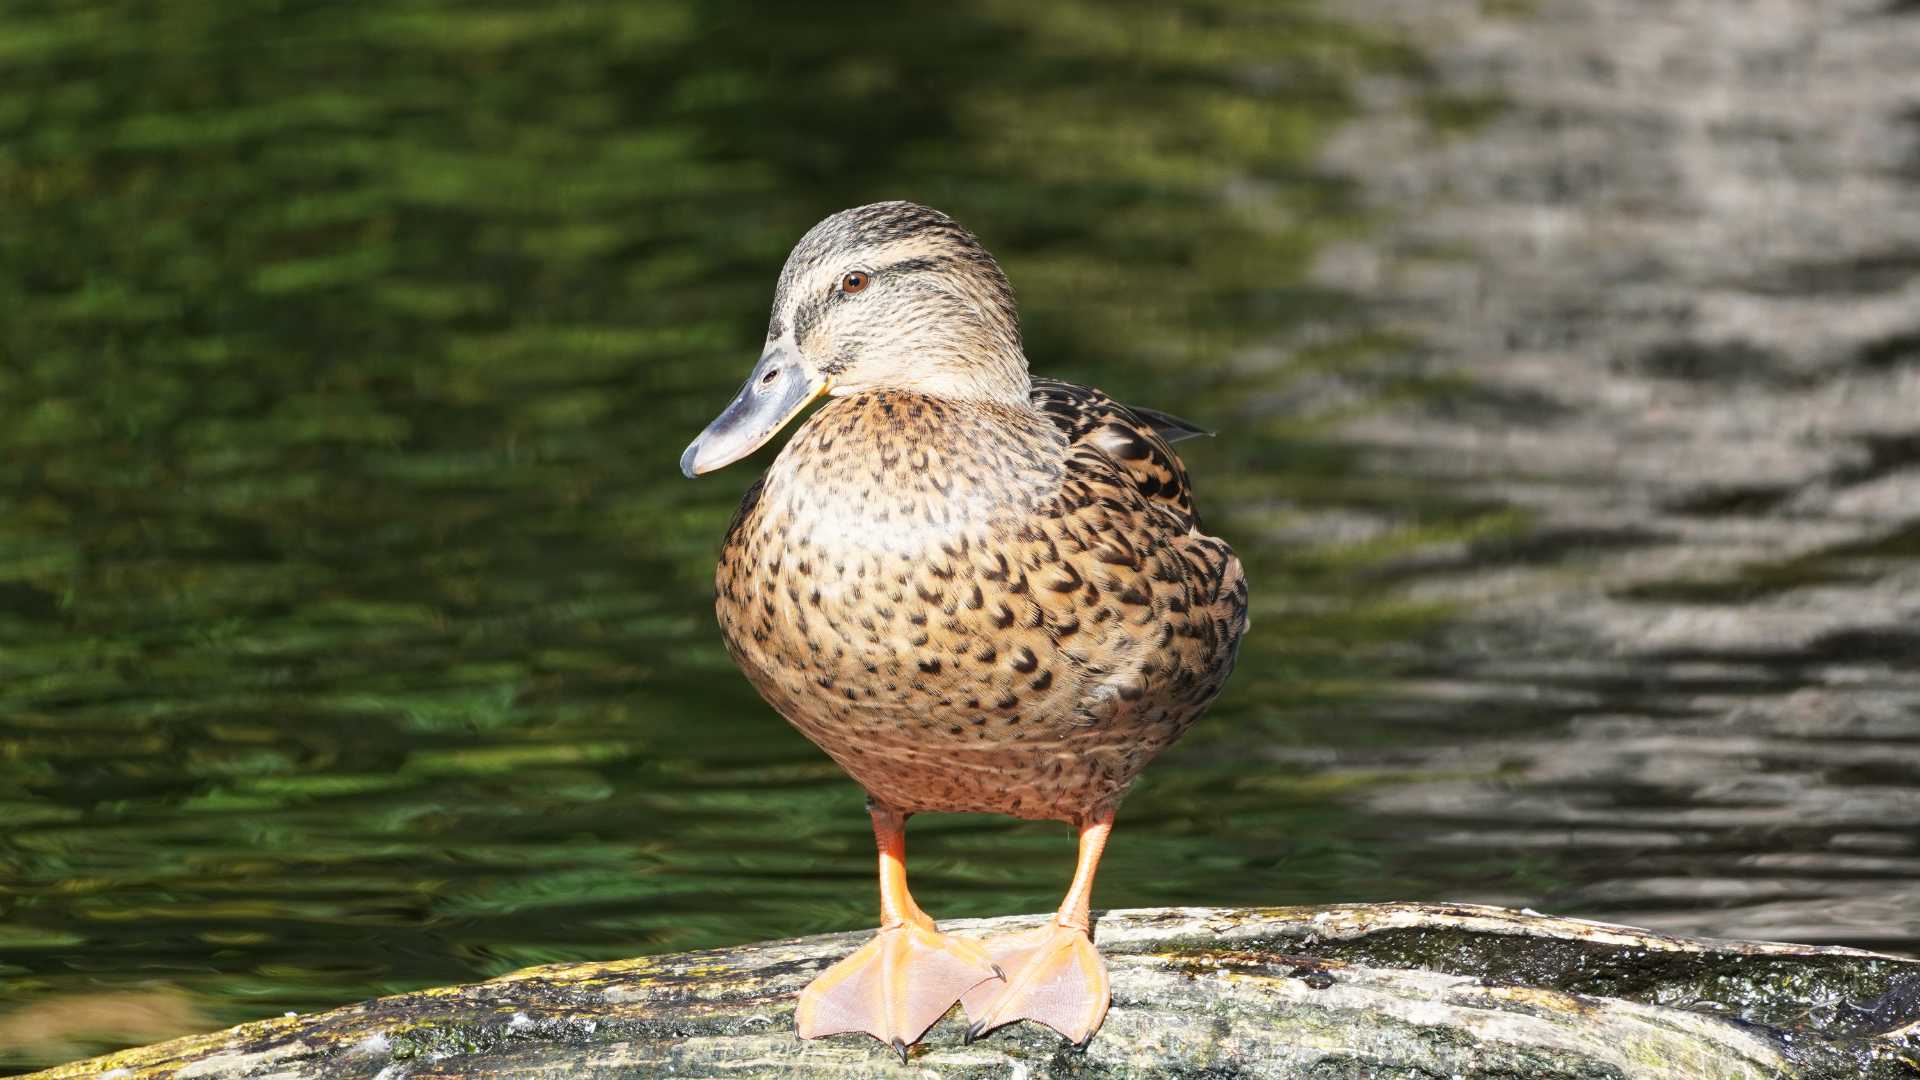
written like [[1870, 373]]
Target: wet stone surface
[[1197, 991]]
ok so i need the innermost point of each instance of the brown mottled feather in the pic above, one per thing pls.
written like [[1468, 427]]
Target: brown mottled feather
[[1137, 444], [975, 606]]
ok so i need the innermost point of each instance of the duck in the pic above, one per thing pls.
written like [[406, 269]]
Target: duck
[[977, 590]]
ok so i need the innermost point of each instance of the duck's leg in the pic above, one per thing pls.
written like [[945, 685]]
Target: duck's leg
[[898, 984], [1053, 974]]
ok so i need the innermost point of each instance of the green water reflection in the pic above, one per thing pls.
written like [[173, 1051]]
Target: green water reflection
[[354, 625]]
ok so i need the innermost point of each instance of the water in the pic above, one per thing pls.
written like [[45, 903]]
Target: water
[[354, 617]]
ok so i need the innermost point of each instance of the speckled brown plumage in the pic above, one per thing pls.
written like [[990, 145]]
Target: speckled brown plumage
[[976, 590], [976, 607]]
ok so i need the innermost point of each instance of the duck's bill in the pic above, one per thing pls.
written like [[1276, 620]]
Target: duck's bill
[[777, 389]]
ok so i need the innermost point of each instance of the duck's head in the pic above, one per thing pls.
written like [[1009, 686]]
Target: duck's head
[[890, 296]]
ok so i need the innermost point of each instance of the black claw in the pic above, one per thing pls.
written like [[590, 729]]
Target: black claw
[[900, 1048], [997, 973], [974, 1031], [967, 1038]]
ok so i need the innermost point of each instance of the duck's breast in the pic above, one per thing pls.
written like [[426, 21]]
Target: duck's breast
[[942, 599]]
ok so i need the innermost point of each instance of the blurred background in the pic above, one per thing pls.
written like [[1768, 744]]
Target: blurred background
[[354, 617]]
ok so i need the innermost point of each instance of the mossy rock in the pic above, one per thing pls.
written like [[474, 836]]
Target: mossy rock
[[1365, 990]]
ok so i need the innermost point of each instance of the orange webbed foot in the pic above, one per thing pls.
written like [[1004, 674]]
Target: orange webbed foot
[[895, 986], [1053, 976]]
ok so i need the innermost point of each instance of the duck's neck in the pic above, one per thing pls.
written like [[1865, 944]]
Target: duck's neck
[[997, 374], [967, 371], [908, 470]]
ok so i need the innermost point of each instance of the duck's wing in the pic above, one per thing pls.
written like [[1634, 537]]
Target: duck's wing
[[1137, 440], [1147, 610], [1168, 426]]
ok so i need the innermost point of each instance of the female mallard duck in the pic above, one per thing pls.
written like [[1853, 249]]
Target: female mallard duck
[[976, 591]]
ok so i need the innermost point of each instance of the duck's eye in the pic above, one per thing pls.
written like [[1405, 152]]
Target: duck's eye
[[854, 282], [772, 374]]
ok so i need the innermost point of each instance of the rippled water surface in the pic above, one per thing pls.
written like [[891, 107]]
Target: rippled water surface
[[354, 617]]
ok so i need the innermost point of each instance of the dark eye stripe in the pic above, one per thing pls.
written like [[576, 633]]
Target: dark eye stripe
[[847, 287], [806, 318], [908, 266]]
